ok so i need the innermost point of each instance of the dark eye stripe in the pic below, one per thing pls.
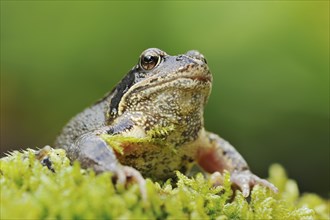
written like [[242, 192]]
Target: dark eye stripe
[[134, 76], [122, 87]]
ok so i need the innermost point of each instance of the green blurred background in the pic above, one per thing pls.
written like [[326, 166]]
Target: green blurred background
[[270, 62]]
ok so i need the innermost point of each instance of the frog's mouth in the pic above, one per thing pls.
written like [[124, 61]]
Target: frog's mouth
[[186, 80], [206, 78]]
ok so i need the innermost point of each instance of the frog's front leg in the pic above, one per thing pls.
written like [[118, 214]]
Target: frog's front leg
[[93, 152], [219, 155]]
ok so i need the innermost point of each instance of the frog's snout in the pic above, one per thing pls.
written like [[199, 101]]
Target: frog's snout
[[196, 55]]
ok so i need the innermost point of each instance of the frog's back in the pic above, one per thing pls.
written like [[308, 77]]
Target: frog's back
[[88, 120]]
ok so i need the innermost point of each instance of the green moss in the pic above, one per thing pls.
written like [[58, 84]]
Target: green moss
[[32, 191], [154, 136]]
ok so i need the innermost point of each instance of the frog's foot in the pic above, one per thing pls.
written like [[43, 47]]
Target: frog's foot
[[245, 180], [128, 174], [96, 154]]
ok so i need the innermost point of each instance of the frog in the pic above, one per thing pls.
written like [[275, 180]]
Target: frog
[[151, 124]]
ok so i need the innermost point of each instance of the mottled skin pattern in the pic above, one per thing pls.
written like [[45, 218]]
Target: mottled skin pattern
[[160, 103]]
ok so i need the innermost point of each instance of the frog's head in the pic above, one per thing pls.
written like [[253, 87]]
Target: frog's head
[[160, 84]]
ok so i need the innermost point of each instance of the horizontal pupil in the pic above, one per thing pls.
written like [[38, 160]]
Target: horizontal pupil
[[149, 59], [148, 62]]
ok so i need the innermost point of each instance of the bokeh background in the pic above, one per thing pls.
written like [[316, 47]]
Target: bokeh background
[[270, 61]]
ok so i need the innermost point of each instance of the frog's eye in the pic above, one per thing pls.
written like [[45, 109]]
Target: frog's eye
[[149, 61]]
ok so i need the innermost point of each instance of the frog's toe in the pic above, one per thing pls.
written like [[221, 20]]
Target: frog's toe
[[245, 180], [127, 174], [267, 184]]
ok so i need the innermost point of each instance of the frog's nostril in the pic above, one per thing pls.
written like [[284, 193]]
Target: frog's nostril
[[179, 58], [196, 55]]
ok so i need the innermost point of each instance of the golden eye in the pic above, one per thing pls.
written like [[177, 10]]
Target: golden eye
[[149, 61]]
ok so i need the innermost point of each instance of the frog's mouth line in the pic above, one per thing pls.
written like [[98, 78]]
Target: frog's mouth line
[[200, 78], [205, 80]]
